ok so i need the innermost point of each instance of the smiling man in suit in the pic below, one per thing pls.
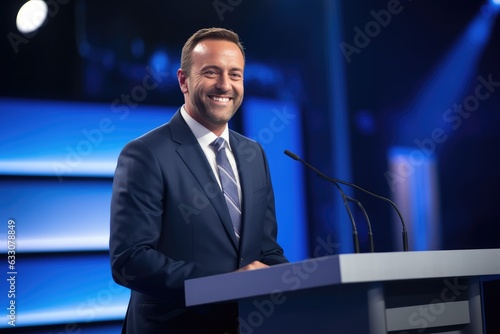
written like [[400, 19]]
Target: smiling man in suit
[[192, 198]]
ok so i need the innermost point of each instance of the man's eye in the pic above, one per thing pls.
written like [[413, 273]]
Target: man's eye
[[210, 73]]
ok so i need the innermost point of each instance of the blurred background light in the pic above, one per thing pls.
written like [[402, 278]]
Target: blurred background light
[[365, 122], [137, 47], [448, 83], [160, 61], [31, 16]]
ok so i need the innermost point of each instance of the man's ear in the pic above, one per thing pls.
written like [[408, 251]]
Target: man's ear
[[182, 78]]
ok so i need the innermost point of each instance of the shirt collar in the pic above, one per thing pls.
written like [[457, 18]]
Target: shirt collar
[[204, 136]]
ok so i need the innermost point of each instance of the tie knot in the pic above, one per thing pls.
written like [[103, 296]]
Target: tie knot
[[218, 143]]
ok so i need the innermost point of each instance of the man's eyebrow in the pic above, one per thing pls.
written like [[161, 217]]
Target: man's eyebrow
[[233, 69]]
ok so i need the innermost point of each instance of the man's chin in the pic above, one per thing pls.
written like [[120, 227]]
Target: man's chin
[[221, 115], [220, 120]]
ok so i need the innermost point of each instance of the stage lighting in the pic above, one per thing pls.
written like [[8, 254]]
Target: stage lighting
[[495, 2], [31, 16], [426, 126]]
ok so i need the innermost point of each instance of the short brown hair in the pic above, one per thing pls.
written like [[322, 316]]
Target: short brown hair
[[203, 34]]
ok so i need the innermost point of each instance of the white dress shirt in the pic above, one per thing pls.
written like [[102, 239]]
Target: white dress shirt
[[205, 137]]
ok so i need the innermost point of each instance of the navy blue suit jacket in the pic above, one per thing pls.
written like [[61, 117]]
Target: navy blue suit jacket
[[170, 222]]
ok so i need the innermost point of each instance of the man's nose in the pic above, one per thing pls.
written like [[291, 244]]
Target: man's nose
[[223, 82]]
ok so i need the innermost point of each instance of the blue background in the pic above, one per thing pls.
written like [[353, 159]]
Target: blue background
[[391, 95]]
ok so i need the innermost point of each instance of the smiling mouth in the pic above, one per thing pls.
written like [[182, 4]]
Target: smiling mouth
[[220, 98]]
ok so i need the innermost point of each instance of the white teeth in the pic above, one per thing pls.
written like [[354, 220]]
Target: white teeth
[[220, 99]]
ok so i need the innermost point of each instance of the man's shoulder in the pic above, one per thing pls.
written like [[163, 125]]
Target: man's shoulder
[[159, 138], [160, 134], [151, 141], [161, 131]]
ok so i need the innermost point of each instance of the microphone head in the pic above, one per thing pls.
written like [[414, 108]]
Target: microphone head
[[292, 155]]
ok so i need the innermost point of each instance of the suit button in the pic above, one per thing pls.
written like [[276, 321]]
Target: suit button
[[241, 260]]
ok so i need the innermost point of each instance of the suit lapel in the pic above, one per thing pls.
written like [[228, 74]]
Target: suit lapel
[[191, 153]]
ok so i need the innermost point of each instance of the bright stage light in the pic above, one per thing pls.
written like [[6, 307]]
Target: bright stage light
[[31, 16], [495, 2]]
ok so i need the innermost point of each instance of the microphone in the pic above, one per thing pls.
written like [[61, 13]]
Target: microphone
[[404, 233], [344, 198], [370, 234]]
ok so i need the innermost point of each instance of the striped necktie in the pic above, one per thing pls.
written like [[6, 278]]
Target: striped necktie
[[228, 182]]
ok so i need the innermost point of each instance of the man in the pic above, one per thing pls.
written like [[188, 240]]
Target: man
[[184, 207]]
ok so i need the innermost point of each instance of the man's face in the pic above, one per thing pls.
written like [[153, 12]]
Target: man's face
[[214, 88]]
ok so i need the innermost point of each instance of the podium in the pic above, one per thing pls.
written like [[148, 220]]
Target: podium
[[375, 293]]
